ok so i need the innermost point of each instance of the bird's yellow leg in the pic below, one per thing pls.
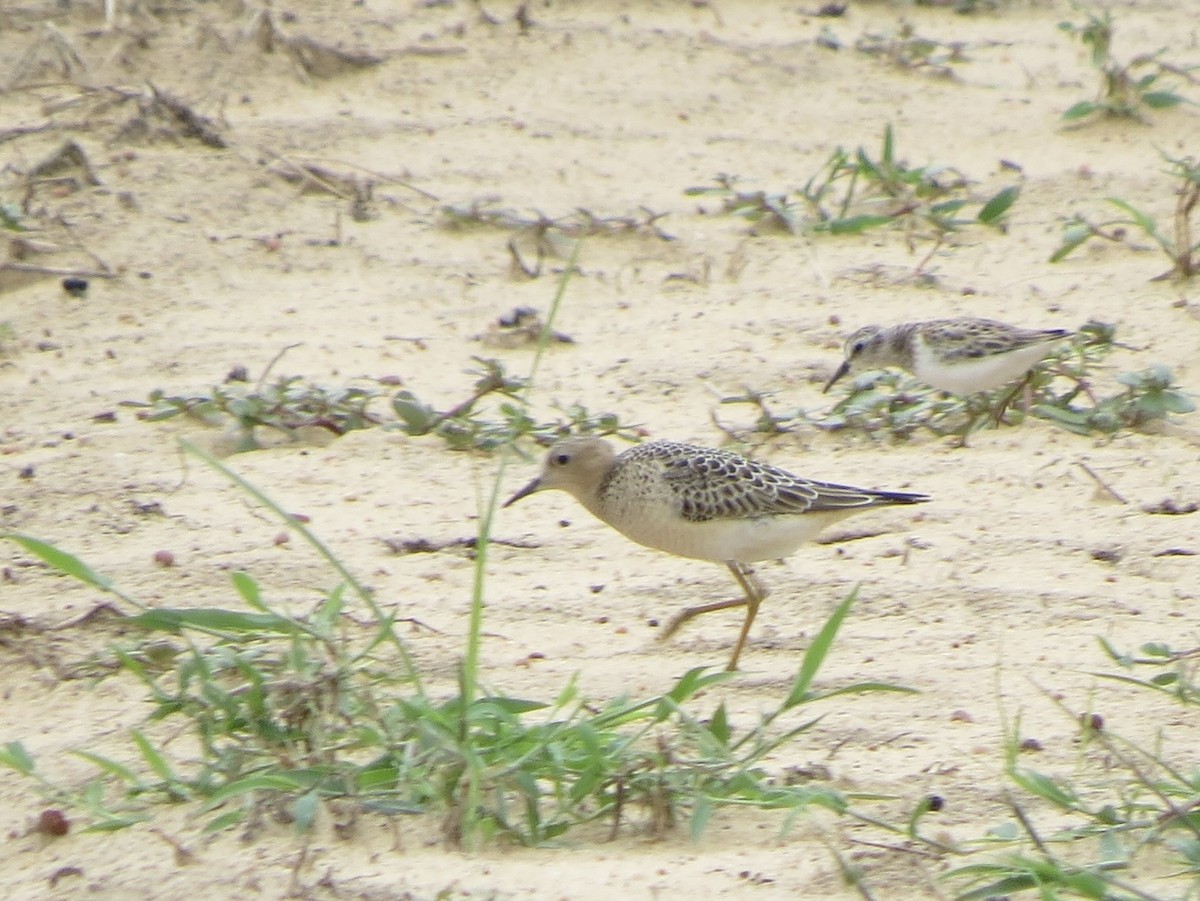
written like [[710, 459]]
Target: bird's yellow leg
[[754, 594]]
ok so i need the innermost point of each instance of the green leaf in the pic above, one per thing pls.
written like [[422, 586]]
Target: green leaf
[[513, 706], [1142, 220], [859, 688], [247, 587], [14, 756], [719, 724], [1074, 234], [889, 146], [305, 810], [1161, 99], [693, 681], [1176, 402], [65, 563], [1046, 787], [853, 225], [110, 766], [1081, 109], [113, 822], [153, 758], [701, 814], [814, 657], [224, 821], [280, 782], [1000, 203], [212, 619], [418, 417]]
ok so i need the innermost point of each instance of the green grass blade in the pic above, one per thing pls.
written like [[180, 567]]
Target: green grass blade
[[110, 766], [14, 756], [993, 211], [64, 562], [213, 619], [268, 782], [305, 809], [70, 565], [815, 656], [157, 763], [247, 587]]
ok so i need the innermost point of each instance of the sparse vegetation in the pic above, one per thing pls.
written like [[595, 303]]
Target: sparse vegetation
[[1129, 801], [290, 404], [1180, 245], [908, 50], [464, 428], [853, 193], [1126, 89], [545, 237]]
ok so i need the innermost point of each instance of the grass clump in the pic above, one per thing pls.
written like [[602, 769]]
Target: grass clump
[[463, 427], [1126, 825], [1126, 90], [286, 714], [905, 49], [1178, 244], [543, 237], [855, 191], [290, 404]]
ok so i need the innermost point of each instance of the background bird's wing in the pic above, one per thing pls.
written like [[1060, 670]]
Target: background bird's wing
[[983, 337]]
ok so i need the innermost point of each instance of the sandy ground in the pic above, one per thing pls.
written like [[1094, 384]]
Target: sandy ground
[[988, 600]]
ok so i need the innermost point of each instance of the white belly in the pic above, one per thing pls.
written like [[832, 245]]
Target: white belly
[[968, 376], [730, 540]]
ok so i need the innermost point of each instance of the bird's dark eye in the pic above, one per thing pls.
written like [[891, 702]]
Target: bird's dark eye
[[859, 347], [562, 459]]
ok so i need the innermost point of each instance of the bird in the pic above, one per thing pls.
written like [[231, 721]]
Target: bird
[[963, 355], [704, 504]]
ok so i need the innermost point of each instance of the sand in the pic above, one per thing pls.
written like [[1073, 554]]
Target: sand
[[989, 601]]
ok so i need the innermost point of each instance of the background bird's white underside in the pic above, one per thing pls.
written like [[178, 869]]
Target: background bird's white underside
[[968, 376]]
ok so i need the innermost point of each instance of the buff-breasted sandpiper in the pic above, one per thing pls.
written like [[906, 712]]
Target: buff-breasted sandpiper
[[706, 504]]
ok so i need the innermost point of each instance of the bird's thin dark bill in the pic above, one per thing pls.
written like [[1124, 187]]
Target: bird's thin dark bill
[[841, 371], [524, 492]]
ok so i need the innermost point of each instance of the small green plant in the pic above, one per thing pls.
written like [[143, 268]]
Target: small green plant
[[287, 404], [1126, 90], [1150, 396], [1172, 672], [854, 192], [12, 217], [905, 49], [893, 404], [291, 403], [1180, 246], [462, 426], [1125, 804], [290, 712]]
